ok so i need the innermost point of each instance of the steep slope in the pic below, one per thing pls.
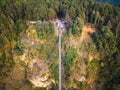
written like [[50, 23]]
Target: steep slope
[[81, 69], [78, 55]]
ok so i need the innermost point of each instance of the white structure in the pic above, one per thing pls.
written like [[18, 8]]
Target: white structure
[[33, 22]]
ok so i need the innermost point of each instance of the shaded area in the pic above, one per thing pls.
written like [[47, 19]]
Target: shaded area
[[109, 63]]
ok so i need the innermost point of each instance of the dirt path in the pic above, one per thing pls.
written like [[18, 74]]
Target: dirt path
[[86, 31]]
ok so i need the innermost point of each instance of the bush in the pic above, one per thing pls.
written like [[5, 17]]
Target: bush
[[19, 49], [42, 88]]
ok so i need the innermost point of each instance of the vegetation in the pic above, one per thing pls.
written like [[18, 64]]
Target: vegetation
[[68, 59], [45, 30], [106, 18], [19, 49], [76, 27]]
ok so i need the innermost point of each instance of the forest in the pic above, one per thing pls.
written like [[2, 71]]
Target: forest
[[14, 15]]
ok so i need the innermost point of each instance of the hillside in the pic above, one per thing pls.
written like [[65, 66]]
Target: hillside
[[90, 42]]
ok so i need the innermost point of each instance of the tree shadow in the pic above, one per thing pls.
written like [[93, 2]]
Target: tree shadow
[[61, 14]]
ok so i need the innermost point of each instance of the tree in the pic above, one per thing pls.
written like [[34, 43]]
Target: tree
[[42, 11], [77, 27], [72, 12], [51, 13], [117, 35], [106, 42], [109, 25]]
